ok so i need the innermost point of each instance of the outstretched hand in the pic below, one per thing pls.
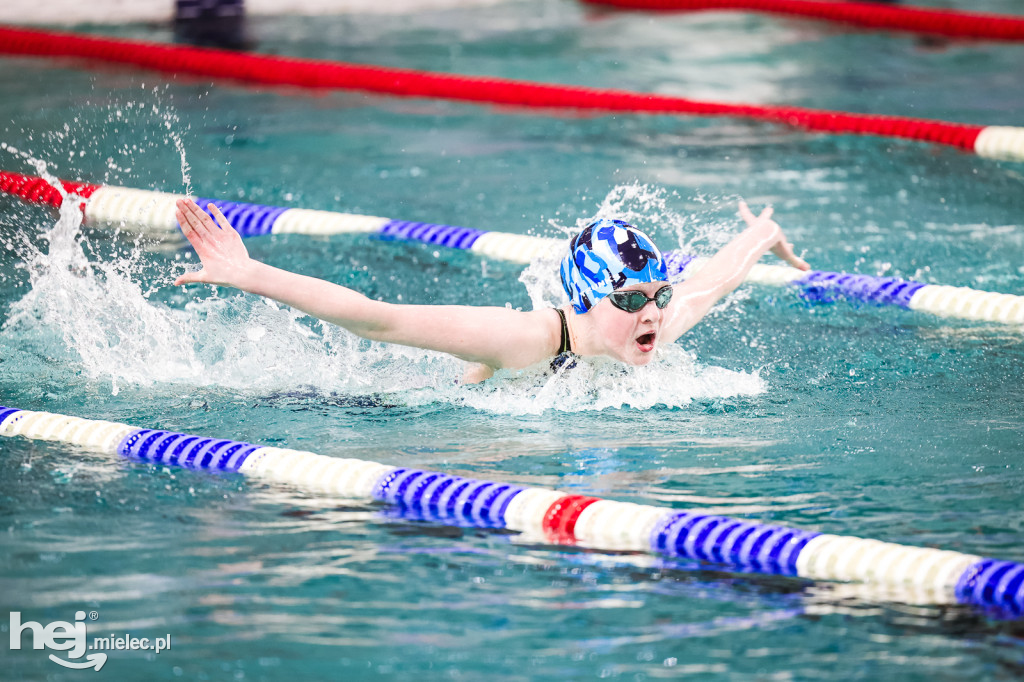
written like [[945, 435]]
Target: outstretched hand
[[782, 248], [218, 245]]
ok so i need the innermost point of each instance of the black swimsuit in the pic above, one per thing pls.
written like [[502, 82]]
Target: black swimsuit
[[565, 359]]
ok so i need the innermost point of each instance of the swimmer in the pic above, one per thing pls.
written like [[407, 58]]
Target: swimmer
[[621, 304]]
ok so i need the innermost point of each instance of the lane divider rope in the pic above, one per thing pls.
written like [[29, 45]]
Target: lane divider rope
[[555, 516], [1003, 142], [926, 20], [153, 213]]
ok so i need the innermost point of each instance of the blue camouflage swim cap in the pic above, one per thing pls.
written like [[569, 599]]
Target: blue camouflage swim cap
[[608, 255]]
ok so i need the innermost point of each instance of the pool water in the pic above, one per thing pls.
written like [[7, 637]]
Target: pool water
[[838, 417]]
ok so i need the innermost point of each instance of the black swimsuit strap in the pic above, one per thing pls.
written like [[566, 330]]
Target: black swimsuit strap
[[565, 346]]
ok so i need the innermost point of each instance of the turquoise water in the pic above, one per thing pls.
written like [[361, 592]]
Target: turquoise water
[[843, 418]]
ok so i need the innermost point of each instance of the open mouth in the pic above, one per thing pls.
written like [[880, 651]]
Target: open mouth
[[646, 342]]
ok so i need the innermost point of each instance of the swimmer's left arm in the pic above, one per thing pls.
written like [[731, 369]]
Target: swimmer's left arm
[[726, 270]]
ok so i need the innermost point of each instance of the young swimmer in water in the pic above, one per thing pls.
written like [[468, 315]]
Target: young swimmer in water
[[621, 303]]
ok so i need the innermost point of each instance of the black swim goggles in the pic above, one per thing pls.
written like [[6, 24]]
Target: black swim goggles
[[634, 301]]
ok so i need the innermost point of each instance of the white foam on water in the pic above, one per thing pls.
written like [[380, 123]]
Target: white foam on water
[[674, 379]]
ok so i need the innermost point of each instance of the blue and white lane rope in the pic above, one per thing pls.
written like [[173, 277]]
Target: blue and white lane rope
[[153, 212], [556, 516], [150, 211]]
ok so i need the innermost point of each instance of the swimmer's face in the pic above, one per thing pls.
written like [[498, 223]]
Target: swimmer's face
[[630, 337]]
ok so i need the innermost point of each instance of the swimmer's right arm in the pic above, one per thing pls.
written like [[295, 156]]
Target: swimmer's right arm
[[727, 269], [492, 336]]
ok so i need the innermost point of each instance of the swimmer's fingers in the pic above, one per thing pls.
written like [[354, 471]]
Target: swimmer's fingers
[[188, 222], [195, 224], [200, 221], [784, 250], [199, 228], [219, 247], [189, 230], [748, 216], [228, 241], [219, 217], [746, 213]]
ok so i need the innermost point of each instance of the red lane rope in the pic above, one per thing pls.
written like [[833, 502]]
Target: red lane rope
[[560, 519], [38, 191], [948, 23], [309, 73]]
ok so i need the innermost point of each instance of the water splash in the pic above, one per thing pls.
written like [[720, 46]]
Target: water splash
[[95, 306], [698, 232], [135, 138], [674, 379], [645, 206], [170, 119]]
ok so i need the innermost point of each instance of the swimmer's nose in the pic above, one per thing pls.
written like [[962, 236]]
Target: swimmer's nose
[[650, 313]]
